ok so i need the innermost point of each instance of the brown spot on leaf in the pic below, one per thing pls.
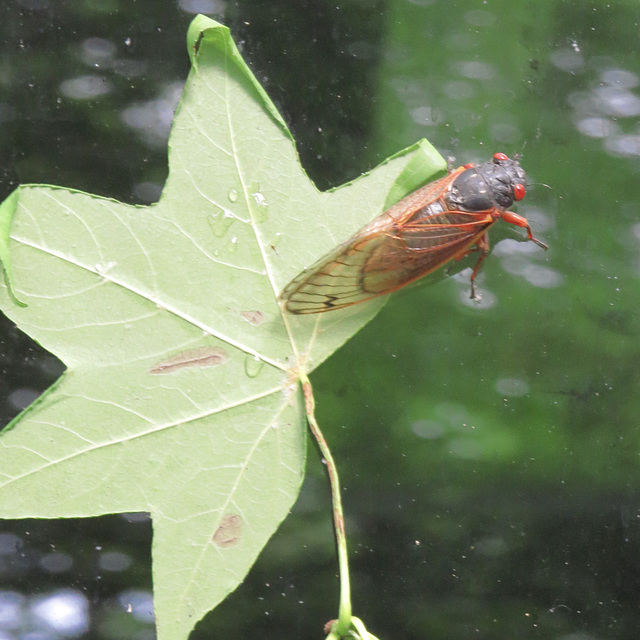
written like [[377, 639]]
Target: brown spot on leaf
[[254, 317], [229, 531], [200, 357]]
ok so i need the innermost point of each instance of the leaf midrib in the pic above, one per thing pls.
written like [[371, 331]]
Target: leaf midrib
[[152, 431], [157, 300]]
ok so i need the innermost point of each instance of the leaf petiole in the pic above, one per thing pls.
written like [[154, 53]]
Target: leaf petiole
[[345, 625]]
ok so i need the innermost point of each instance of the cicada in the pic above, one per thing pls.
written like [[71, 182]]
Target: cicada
[[444, 220]]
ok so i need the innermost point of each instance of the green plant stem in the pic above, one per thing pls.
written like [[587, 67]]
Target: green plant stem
[[343, 624]]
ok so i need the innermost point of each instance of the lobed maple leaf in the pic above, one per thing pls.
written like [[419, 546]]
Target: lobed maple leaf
[[180, 396]]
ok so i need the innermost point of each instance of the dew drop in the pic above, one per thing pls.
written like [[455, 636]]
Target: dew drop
[[233, 195], [253, 366], [233, 244], [259, 198], [103, 269], [220, 221], [262, 207]]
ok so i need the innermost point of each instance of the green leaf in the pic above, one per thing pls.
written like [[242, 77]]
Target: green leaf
[[180, 396]]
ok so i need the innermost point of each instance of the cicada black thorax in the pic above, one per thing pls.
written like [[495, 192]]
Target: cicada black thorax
[[487, 186]]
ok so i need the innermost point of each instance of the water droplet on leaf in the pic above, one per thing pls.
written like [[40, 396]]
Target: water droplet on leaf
[[253, 366], [262, 207], [220, 221], [232, 245]]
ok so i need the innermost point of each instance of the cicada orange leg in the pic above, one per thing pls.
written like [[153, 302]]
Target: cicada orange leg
[[519, 221]]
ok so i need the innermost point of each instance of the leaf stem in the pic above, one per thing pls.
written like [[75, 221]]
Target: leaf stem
[[344, 622]]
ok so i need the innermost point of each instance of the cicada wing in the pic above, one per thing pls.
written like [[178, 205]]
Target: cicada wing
[[333, 282], [426, 245], [383, 260]]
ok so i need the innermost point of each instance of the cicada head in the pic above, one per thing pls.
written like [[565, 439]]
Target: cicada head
[[495, 184], [506, 179]]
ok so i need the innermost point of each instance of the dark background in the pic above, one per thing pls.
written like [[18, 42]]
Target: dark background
[[489, 452]]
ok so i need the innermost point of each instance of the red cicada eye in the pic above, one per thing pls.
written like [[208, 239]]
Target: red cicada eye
[[500, 157], [518, 192]]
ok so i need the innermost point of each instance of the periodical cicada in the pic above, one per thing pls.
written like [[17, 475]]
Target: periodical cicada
[[442, 221]]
